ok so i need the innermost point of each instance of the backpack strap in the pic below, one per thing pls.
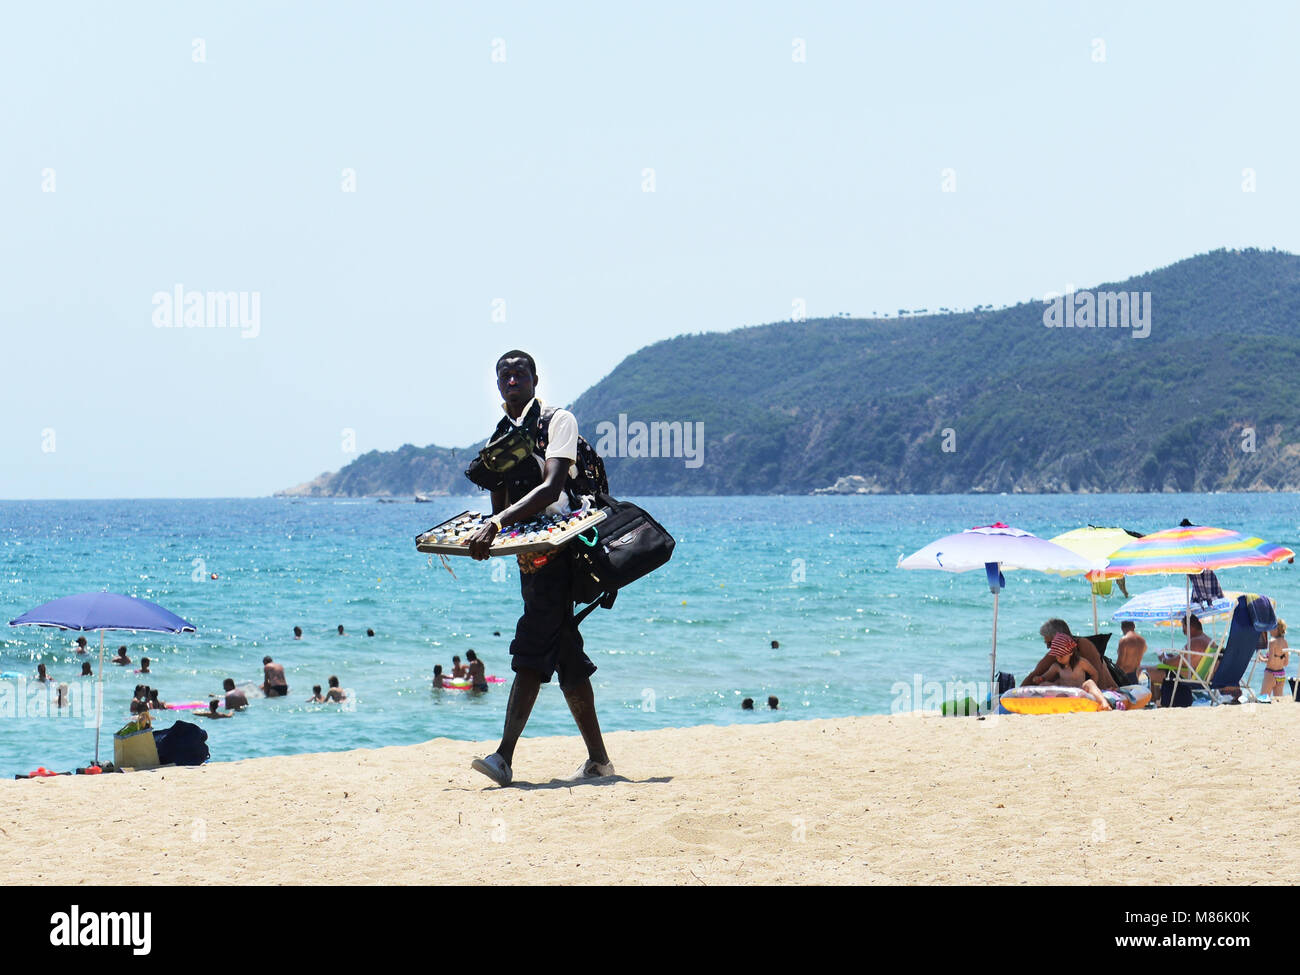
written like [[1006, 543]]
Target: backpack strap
[[606, 600]]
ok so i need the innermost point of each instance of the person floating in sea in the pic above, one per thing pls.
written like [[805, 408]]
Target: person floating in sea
[[274, 683], [458, 669], [438, 677], [1275, 661], [316, 696], [41, 675], [547, 640], [341, 633], [370, 632], [747, 704], [772, 703], [154, 703], [81, 645], [212, 711], [86, 670], [297, 632], [144, 666], [122, 660]]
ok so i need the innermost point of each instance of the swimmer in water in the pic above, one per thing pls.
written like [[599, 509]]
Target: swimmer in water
[[144, 666], [476, 672], [41, 675], [235, 699], [315, 695], [212, 711], [458, 669], [438, 677], [274, 683], [297, 632], [336, 694], [81, 645], [341, 633], [86, 670], [121, 659]]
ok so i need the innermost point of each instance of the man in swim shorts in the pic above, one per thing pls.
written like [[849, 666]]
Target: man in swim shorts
[[1132, 647], [547, 641], [273, 680]]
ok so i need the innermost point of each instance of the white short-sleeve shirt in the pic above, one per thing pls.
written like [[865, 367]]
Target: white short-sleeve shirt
[[562, 441]]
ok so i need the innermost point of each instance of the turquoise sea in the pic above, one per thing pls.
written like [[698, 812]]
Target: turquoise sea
[[682, 646]]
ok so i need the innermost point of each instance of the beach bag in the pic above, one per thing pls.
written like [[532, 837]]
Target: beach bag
[[182, 744], [622, 548]]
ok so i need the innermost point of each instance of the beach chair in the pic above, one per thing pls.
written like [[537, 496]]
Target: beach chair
[[1219, 672], [1199, 678]]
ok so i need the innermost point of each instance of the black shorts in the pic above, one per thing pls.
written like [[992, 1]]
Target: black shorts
[[277, 690], [546, 639], [1126, 679]]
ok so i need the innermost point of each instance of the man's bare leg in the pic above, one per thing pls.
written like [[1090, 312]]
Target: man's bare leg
[[582, 704], [523, 695]]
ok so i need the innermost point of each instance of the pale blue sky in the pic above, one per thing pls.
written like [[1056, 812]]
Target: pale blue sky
[[478, 180]]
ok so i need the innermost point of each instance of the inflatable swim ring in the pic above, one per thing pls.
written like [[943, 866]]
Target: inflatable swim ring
[[1052, 699], [463, 683], [189, 706]]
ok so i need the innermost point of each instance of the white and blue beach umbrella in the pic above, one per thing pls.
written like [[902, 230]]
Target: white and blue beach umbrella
[[994, 548]]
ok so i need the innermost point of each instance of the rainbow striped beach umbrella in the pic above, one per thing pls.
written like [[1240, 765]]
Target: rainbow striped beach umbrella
[[1190, 550]]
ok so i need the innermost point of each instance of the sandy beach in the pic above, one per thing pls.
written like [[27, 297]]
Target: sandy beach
[[1137, 798]]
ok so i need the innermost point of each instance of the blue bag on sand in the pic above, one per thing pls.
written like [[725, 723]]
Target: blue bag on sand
[[182, 744]]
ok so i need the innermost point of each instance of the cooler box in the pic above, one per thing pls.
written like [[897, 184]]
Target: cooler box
[[135, 750]]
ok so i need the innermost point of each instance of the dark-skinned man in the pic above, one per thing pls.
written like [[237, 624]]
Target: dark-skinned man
[[546, 639]]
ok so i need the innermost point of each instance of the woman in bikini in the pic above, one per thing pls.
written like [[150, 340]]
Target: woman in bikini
[[1275, 662]]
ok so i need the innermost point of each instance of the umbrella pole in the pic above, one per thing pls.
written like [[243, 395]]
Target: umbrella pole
[[993, 659], [99, 696], [1095, 628]]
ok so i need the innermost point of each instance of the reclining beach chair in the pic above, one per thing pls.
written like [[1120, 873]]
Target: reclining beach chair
[[1218, 675]]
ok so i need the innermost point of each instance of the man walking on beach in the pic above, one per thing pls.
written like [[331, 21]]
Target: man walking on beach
[[546, 640]]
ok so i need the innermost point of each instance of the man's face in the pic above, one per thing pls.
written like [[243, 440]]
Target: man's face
[[515, 381]]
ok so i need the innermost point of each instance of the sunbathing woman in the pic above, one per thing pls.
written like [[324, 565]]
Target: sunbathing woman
[[1071, 670]]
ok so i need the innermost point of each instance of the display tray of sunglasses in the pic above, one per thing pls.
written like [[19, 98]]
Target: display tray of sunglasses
[[545, 533]]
